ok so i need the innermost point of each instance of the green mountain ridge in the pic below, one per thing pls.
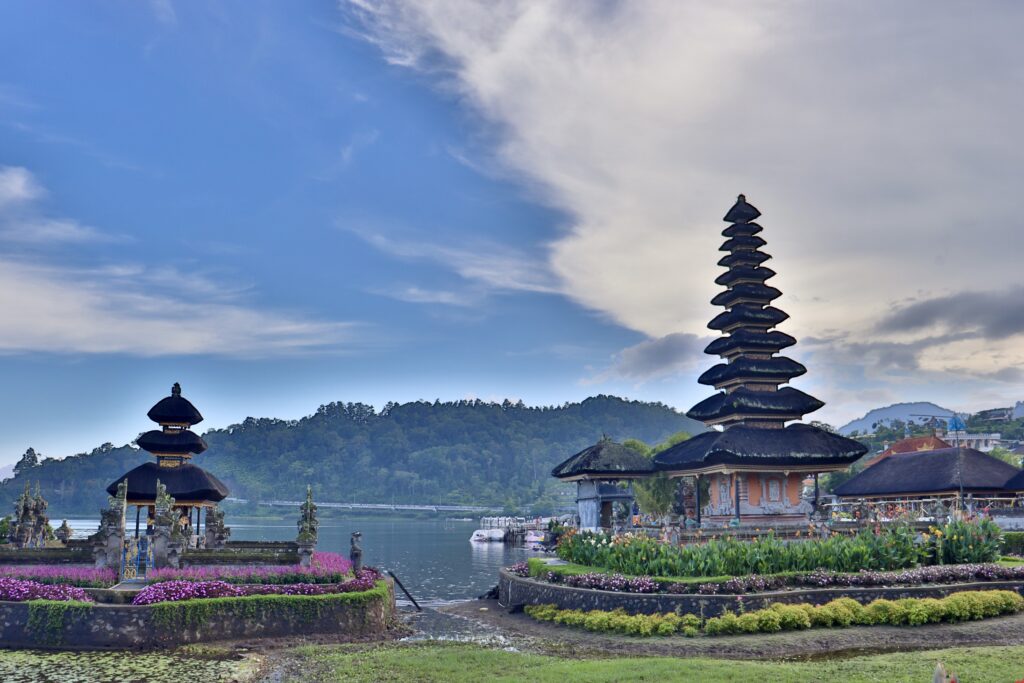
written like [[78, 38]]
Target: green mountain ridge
[[470, 452]]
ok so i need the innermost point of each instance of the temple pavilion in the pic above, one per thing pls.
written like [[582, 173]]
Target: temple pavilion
[[757, 453], [597, 471], [173, 445]]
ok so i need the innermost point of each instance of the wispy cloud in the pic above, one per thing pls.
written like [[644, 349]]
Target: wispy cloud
[[652, 359], [356, 142], [419, 295], [164, 12], [642, 121], [493, 266], [129, 308]]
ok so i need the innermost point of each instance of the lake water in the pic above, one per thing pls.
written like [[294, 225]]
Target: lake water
[[433, 558]]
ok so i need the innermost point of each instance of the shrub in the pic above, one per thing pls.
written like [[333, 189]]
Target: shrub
[[1013, 543], [20, 590], [174, 591], [83, 577], [324, 568], [895, 547], [791, 617]]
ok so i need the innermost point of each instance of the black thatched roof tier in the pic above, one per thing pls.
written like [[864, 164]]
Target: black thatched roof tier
[[927, 472], [785, 404], [743, 258], [746, 293], [778, 369], [741, 274], [171, 443], [743, 243], [1016, 482], [797, 445], [742, 229], [186, 483], [744, 315], [741, 212], [607, 459], [175, 410], [751, 341]]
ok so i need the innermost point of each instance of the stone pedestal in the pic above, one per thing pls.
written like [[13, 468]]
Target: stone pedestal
[[306, 554]]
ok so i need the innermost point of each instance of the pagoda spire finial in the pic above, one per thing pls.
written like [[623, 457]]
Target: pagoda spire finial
[[176, 389]]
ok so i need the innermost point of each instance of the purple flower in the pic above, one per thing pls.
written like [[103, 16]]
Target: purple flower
[[174, 591], [18, 590]]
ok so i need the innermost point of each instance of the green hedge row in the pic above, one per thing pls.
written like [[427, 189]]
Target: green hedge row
[[895, 547], [1013, 542], [842, 612]]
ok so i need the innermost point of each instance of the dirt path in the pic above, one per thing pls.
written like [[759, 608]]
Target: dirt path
[[528, 634]]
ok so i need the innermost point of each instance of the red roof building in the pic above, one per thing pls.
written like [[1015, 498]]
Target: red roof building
[[912, 445]]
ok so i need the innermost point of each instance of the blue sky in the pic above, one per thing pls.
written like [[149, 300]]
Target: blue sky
[[285, 204]]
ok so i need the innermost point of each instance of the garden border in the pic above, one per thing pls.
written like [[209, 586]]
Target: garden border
[[55, 625], [514, 592]]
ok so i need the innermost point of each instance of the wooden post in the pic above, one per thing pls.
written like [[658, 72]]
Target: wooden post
[[815, 491], [697, 498], [138, 512], [736, 486]]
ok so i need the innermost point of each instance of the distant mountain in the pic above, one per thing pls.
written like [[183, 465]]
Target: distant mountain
[[460, 452], [6, 472], [904, 412]]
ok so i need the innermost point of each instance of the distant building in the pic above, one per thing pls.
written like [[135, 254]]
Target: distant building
[[995, 415], [912, 445], [981, 442]]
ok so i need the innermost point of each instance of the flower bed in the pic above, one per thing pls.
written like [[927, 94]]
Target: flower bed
[[842, 612], [895, 547], [83, 577], [943, 574], [324, 568], [20, 590], [176, 591]]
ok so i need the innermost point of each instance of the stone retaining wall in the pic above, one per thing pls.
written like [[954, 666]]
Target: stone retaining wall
[[515, 591], [85, 626]]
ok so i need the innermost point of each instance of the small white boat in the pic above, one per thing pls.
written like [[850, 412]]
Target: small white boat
[[534, 536], [487, 536]]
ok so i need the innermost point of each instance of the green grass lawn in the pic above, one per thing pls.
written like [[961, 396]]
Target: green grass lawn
[[446, 663]]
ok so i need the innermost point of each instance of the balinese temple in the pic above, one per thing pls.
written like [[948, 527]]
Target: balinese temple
[[757, 453], [946, 473], [173, 445], [597, 471]]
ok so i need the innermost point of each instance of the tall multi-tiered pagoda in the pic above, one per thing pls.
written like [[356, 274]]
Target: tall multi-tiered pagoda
[[756, 463], [173, 445]]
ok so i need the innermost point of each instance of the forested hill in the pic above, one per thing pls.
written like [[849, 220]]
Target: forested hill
[[465, 451]]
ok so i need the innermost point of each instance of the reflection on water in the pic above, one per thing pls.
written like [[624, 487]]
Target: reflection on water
[[434, 559]]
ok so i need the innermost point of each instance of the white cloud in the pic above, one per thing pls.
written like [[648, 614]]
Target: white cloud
[[164, 12], [49, 309], [128, 308], [492, 266], [881, 156], [17, 186]]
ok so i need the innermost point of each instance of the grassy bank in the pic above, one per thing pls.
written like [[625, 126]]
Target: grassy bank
[[458, 662]]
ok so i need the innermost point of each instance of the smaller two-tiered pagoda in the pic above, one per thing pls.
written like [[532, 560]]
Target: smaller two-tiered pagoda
[[173, 445], [755, 462]]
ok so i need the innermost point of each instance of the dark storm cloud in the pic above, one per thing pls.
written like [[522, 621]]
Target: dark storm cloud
[[659, 357], [994, 315]]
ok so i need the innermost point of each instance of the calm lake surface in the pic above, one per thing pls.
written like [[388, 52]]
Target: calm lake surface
[[433, 558]]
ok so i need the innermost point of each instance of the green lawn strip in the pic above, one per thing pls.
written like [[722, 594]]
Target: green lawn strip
[[431, 662], [1011, 561]]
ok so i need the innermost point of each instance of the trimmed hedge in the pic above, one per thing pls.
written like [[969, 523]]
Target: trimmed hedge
[[839, 613], [895, 547], [1013, 542]]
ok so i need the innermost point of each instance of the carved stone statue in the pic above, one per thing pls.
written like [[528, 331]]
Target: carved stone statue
[[308, 529], [106, 542], [355, 552], [63, 532], [217, 533], [30, 526], [168, 538]]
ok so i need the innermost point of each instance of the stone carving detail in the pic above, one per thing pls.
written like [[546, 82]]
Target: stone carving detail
[[308, 529], [30, 525], [355, 552], [168, 536], [106, 542], [217, 533], [63, 532]]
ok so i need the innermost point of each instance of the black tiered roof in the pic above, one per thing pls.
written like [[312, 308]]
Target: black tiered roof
[[605, 459], [175, 410], [181, 442], [938, 471], [750, 404], [186, 483]]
